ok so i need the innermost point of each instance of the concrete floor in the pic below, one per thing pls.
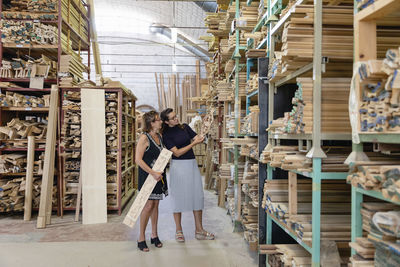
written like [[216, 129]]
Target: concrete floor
[[65, 243]]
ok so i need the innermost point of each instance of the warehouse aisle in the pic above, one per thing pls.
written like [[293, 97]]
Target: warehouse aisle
[[70, 244]]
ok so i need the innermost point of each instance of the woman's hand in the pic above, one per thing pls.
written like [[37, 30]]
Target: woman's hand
[[157, 175], [198, 139]]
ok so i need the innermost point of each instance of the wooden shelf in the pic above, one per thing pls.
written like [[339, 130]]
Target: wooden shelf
[[27, 109]]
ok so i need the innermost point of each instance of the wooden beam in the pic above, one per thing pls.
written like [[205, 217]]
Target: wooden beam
[[147, 188], [94, 173], [29, 178], [46, 192], [158, 93], [79, 196], [292, 193], [93, 36], [378, 10]]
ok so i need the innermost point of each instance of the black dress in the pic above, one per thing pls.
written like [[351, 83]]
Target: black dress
[[150, 156]]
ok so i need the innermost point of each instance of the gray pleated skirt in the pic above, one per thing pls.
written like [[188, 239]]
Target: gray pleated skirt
[[185, 186]]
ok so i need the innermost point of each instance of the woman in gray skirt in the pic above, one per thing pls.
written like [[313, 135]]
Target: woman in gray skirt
[[186, 186]]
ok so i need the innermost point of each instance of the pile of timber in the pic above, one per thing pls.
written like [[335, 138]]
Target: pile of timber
[[252, 83], [12, 99], [20, 129], [229, 66], [380, 94], [250, 225], [215, 24], [72, 66], [71, 141], [242, 83], [224, 90], [31, 6], [226, 50], [365, 246], [19, 68], [28, 32], [249, 150], [28, 15], [232, 42], [250, 125], [286, 255], [248, 17], [334, 107], [74, 18], [256, 36], [383, 178], [12, 194], [297, 216], [16, 164], [256, 53], [230, 122], [279, 125], [290, 158]]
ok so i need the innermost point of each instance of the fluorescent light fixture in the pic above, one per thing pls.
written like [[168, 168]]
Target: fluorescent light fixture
[[174, 35]]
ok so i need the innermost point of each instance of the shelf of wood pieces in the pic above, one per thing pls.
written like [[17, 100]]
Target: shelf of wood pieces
[[15, 128], [120, 122]]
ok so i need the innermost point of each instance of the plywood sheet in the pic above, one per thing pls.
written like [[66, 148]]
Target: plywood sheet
[[94, 187]]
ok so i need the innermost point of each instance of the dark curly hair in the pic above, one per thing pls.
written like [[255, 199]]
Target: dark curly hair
[[164, 117]]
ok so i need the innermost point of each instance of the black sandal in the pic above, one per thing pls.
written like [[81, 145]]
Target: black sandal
[[157, 243], [142, 246]]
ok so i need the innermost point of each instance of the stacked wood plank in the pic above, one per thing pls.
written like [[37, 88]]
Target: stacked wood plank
[[74, 18], [252, 83], [72, 65], [20, 129], [242, 83], [19, 68], [12, 194], [383, 178], [28, 32], [250, 125], [334, 107], [380, 94], [28, 15], [248, 17], [335, 208], [71, 140], [224, 91], [256, 36], [290, 158], [256, 53], [232, 43], [368, 247], [44, 6], [13, 99]]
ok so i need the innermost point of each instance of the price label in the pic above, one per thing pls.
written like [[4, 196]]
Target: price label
[[19, 45], [28, 109], [275, 136], [299, 241], [36, 20], [286, 230]]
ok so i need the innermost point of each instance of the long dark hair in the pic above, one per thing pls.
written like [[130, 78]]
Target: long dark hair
[[164, 117], [148, 118]]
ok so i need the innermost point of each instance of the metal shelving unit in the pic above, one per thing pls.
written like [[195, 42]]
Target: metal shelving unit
[[365, 22], [313, 140]]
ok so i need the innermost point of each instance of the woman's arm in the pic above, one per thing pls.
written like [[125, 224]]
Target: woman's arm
[[141, 147], [179, 152]]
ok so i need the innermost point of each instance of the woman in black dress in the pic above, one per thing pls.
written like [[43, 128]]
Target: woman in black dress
[[147, 151]]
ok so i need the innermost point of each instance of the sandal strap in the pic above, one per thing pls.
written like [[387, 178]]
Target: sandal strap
[[142, 245]]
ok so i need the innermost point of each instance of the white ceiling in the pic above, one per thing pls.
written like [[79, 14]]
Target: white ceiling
[[130, 53]]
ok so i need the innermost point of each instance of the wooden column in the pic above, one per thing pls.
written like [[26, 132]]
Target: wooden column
[[29, 178]]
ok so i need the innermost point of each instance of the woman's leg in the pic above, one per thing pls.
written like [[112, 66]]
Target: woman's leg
[[178, 221], [198, 220], [144, 219], [154, 219]]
